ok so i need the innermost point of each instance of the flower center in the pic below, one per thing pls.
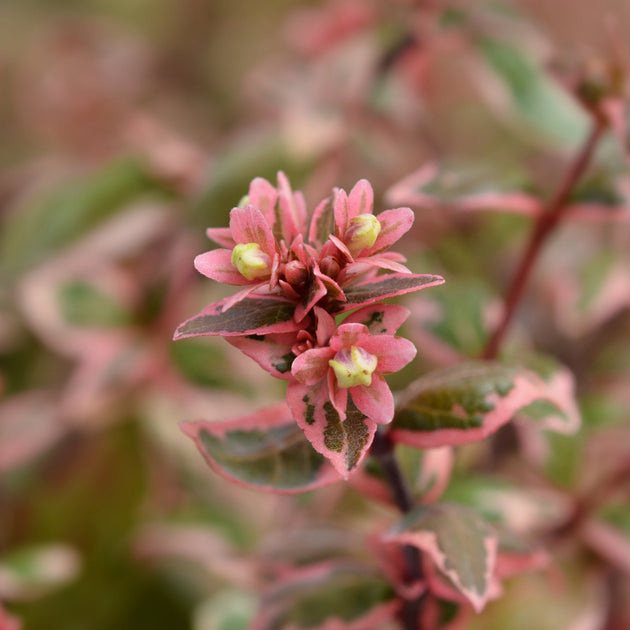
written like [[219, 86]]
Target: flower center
[[362, 232], [251, 261], [353, 366]]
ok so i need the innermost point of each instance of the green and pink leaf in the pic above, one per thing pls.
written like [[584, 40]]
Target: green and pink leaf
[[468, 402], [386, 286], [254, 315], [264, 450], [328, 596], [343, 441], [272, 352], [459, 542]]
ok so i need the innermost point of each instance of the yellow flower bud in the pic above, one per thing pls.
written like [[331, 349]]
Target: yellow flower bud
[[251, 261], [353, 367], [362, 232]]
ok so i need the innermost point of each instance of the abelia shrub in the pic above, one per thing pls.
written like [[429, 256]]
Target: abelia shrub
[[298, 275]]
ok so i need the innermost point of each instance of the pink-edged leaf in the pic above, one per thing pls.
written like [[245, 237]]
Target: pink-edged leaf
[[322, 223], [387, 286], [435, 472], [557, 409], [360, 199], [467, 189], [316, 291], [248, 225], [217, 265], [292, 209], [342, 247], [328, 596], [394, 223], [222, 236], [460, 543], [271, 352], [465, 403], [340, 212], [264, 450], [252, 315], [384, 262], [380, 319], [344, 442], [263, 196]]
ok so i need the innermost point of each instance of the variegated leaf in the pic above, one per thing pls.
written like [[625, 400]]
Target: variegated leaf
[[265, 450], [458, 540]]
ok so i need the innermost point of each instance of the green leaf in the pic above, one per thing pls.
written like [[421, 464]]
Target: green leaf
[[347, 592], [539, 104], [252, 315], [469, 401], [459, 542], [83, 304], [35, 231], [265, 450]]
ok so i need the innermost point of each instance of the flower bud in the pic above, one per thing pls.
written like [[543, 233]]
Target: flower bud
[[353, 366], [330, 266], [362, 233], [295, 273], [251, 261]]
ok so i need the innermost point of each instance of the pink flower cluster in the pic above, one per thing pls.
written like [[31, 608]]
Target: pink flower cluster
[[297, 276]]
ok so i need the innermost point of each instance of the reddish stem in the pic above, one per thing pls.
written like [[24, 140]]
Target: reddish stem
[[544, 226], [383, 451]]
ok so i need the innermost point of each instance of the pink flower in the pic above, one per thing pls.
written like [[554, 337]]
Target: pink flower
[[352, 364], [267, 249], [341, 381]]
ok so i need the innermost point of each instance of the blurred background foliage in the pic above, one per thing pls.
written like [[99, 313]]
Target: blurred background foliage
[[128, 127]]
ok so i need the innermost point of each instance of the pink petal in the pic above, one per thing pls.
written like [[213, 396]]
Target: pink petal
[[222, 236], [312, 366], [217, 264], [361, 199], [248, 225], [394, 223], [375, 401], [263, 196], [383, 262], [393, 352], [338, 395], [379, 318], [348, 335]]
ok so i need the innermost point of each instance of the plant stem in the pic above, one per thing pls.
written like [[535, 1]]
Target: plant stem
[[547, 221], [383, 451]]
